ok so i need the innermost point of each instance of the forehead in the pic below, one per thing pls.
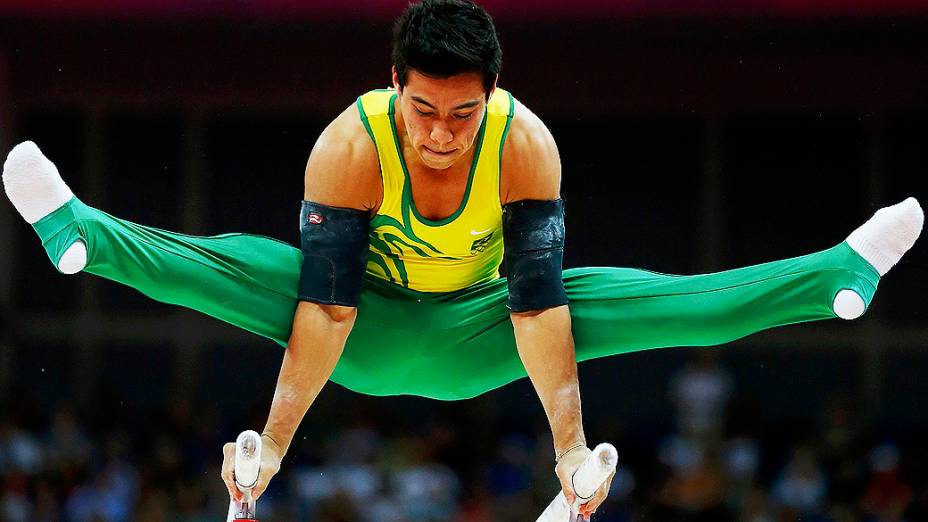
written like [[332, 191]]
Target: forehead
[[444, 92]]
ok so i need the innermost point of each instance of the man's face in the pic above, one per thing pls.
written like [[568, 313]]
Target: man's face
[[442, 115]]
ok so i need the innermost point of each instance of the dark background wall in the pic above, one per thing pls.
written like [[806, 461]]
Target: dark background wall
[[690, 144]]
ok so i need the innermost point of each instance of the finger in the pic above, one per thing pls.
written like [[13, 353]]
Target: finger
[[258, 490], [234, 493], [264, 478], [609, 483], [567, 486], [588, 508], [228, 471], [568, 490]]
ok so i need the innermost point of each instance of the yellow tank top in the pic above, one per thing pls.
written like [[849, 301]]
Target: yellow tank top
[[453, 253]]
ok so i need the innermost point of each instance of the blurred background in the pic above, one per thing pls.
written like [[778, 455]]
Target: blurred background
[[695, 137]]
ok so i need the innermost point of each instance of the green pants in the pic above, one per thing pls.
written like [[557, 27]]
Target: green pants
[[454, 345]]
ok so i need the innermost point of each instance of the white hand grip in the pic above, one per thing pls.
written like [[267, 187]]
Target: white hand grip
[[247, 467], [595, 470], [587, 479], [247, 460]]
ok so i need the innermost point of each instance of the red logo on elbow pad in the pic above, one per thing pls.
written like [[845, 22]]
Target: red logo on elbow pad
[[314, 218]]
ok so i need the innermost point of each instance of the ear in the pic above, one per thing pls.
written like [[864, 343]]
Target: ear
[[396, 81], [493, 89]]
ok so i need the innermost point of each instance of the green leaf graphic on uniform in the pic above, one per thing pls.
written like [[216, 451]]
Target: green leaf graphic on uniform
[[480, 245], [391, 241]]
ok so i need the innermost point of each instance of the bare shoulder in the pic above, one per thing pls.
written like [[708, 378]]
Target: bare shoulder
[[343, 169], [531, 166]]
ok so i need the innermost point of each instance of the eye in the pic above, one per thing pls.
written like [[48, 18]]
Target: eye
[[464, 116], [421, 112]]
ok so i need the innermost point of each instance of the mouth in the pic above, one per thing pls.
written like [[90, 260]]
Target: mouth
[[439, 154]]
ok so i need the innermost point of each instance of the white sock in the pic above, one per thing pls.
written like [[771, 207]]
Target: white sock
[[35, 188], [881, 241], [32, 183], [889, 234]]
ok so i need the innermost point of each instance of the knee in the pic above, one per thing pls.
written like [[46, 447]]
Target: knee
[[849, 305], [74, 258]]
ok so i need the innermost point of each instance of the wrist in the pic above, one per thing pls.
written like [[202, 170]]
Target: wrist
[[568, 437], [267, 438], [559, 454]]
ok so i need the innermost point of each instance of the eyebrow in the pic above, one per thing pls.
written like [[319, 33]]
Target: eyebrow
[[467, 105]]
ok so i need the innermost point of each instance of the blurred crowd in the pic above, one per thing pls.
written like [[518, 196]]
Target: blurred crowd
[[713, 464]]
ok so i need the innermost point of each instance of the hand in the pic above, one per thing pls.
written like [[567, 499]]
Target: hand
[[565, 469], [270, 465]]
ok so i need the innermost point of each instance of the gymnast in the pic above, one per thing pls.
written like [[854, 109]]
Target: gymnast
[[414, 197]]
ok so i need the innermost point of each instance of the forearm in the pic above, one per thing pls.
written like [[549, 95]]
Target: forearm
[[546, 347], [315, 345]]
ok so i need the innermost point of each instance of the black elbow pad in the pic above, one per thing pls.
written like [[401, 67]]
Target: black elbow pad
[[335, 244], [533, 235]]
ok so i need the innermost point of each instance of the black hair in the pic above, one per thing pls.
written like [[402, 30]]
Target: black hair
[[442, 38]]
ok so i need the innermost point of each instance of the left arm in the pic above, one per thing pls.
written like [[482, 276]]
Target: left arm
[[532, 171]]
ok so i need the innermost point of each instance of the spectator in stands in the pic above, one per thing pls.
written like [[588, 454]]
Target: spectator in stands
[[887, 496], [802, 487]]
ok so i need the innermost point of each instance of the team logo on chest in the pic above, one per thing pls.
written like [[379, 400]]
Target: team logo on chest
[[480, 245]]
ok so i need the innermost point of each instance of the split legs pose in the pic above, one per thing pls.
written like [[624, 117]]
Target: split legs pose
[[460, 344]]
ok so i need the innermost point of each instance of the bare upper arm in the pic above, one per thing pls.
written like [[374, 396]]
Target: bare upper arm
[[531, 166], [343, 169]]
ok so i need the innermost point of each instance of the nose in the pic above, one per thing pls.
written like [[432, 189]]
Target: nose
[[441, 134]]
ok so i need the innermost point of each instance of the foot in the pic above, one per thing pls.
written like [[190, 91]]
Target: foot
[[35, 188], [881, 241], [889, 234]]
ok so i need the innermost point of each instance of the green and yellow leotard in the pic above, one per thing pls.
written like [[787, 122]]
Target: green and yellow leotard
[[461, 250]]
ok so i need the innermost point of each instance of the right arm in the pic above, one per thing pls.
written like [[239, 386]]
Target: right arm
[[342, 171]]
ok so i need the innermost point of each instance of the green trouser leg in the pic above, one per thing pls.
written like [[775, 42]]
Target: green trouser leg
[[454, 345]]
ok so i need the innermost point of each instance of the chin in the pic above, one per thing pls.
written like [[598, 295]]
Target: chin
[[438, 165], [441, 166]]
